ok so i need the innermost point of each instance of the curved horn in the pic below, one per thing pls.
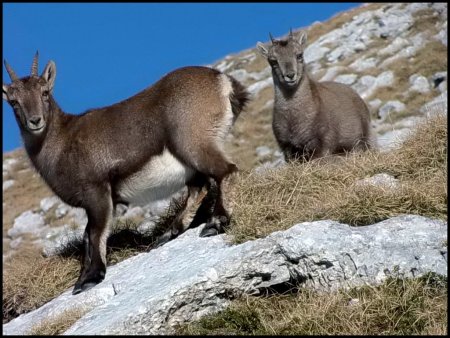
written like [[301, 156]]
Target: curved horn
[[34, 66], [11, 73], [271, 38]]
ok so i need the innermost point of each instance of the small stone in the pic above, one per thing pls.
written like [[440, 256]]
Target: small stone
[[47, 203], [263, 151], [380, 180], [27, 222], [389, 107], [8, 184], [419, 83]]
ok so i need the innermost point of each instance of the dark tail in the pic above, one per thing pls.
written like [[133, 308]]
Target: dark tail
[[239, 97]]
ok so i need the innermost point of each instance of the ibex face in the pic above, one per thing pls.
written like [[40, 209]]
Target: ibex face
[[286, 59], [30, 97]]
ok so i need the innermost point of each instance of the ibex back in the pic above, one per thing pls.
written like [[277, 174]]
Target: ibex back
[[312, 119], [144, 148]]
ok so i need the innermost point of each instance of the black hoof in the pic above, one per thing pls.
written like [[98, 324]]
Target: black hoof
[[209, 231], [163, 239], [87, 283], [86, 286]]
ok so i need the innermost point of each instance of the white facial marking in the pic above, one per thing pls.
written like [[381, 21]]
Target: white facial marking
[[159, 178]]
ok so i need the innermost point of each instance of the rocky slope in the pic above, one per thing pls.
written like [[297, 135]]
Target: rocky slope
[[192, 276], [393, 55]]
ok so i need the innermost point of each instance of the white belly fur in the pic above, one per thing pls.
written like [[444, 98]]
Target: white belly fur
[[158, 179]]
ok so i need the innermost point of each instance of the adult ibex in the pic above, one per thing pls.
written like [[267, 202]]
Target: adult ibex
[[147, 147], [312, 119]]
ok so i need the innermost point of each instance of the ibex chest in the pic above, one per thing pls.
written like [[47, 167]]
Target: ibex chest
[[159, 178]]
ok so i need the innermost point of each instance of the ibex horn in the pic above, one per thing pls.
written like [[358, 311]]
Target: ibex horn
[[34, 66], [290, 33], [271, 38], [11, 73]]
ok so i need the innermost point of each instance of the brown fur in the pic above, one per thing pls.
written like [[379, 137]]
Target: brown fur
[[312, 119], [84, 158]]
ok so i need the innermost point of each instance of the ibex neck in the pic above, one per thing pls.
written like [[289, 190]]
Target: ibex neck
[[50, 140]]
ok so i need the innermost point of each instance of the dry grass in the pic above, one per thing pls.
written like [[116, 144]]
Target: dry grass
[[400, 307], [325, 189], [57, 325], [30, 280]]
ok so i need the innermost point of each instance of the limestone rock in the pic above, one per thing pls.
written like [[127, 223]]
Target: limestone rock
[[192, 276]]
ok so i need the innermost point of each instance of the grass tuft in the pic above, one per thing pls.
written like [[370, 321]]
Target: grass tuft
[[326, 189], [398, 306]]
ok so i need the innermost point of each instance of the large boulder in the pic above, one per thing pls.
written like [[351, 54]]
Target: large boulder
[[192, 276]]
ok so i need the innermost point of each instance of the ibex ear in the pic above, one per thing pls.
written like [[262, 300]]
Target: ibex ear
[[5, 92], [262, 50], [302, 38], [49, 74]]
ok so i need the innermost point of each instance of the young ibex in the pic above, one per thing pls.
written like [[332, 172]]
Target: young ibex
[[312, 119], [146, 147]]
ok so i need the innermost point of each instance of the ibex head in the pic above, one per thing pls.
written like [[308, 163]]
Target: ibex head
[[286, 58], [30, 96]]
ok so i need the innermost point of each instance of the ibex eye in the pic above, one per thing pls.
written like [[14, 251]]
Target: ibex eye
[[300, 56], [45, 93], [273, 61]]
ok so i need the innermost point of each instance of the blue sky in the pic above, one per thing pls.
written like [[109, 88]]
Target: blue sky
[[105, 53]]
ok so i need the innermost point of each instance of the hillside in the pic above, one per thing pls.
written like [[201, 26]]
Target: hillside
[[393, 55]]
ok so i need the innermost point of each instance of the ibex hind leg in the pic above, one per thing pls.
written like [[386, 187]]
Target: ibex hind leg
[[96, 234], [210, 161], [224, 202], [189, 205]]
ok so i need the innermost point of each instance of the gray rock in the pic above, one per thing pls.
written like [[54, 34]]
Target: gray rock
[[263, 151], [442, 35], [62, 210], [368, 84], [419, 83], [389, 107], [9, 164], [332, 72], [57, 239], [363, 64], [256, 87], [375, 104], [147, 225], [394, 46], [134, 212], [380, 180], [47, 203], [347, 79], [315, 52], [239, 74], [7, 184], [436, 106], [438, 78], [392, 139], [14, 244], [27, 222], [261, 169], [191, 276]]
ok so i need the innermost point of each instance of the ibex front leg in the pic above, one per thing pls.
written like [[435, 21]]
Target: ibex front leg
[[93, 259]]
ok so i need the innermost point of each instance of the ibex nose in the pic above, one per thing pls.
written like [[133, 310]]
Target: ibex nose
[[290, 75], [35, 120]]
